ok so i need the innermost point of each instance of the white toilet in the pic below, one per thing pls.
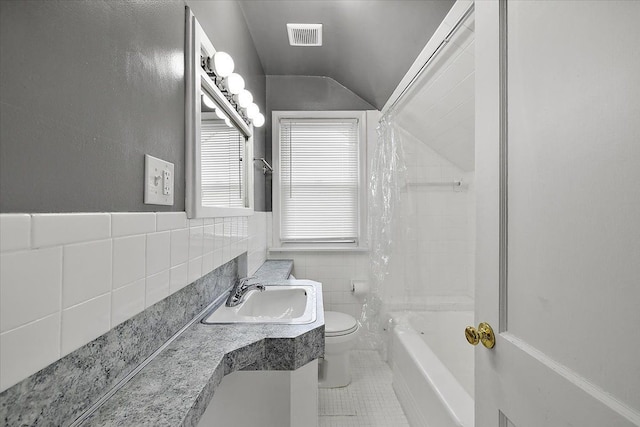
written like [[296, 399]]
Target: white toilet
[[340, 331]]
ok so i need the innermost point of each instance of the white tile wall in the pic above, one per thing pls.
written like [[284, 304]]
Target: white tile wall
[[217, 257], [129, 223], [28, 349], [158, 252], [256, 232], [128, 301], [15, 230], [129, 259], [435, 233], [207, 235], [85, 322], [178, 277], [179, 246], [195, 241], [335, 271], [171, 221], [65, 279], [194, 269], [31, 286], [207, 263], [56, 229], [158, 287], [86, 271]]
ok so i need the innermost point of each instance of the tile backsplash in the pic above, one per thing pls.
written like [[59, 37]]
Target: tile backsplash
[[66, 279]]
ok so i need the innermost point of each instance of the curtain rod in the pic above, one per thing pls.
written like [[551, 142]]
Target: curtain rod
[[431, 57]]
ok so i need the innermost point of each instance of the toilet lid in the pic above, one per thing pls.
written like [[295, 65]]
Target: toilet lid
[[336, 324]]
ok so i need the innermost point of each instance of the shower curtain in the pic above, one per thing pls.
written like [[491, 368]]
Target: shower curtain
[[386, 181], [421, 217]]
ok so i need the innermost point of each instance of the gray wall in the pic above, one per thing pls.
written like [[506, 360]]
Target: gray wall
[[88, 87], [225, 25], [367, 46], [306, 93]]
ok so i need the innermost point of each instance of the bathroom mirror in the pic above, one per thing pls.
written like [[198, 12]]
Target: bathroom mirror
[[219, 142]]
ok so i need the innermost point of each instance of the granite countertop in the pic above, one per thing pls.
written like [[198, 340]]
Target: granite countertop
[[175, 388], [275, 269]]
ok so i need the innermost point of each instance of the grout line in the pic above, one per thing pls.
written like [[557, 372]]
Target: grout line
[[146, 251], [61, 305], [29, 323], [97, 296], [31, 234]]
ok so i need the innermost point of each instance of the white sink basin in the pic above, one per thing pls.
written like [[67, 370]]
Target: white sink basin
[[289, 304]]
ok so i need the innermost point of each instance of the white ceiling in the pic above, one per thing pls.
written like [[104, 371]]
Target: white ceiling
[[368, 46]]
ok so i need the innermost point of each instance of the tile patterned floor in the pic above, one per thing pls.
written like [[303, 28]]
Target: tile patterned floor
[[369, 401]]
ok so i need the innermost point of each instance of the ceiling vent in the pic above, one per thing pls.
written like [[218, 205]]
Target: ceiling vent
[[305, 34]]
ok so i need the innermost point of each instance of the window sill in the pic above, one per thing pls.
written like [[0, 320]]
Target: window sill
[[319, 249]]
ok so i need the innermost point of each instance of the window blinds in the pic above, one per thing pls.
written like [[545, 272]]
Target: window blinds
[[319, 180], [222, 166]]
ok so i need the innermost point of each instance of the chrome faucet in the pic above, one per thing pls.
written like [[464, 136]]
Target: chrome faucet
[[241, 289]]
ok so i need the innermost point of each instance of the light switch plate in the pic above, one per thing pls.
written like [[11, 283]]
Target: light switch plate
[[158, 181]]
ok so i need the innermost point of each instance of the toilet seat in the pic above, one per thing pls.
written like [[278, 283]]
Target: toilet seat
[[338, 324]]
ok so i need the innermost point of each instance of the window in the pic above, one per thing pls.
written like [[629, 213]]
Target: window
[[222, 168], [319, 180]]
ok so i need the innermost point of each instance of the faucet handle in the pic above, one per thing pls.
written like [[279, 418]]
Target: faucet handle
[[243, 281]]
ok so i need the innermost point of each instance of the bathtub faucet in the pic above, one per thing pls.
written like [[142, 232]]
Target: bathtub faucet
[[241, 289]]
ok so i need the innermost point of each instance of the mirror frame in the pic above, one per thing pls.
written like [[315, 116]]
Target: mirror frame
[[196, 78]]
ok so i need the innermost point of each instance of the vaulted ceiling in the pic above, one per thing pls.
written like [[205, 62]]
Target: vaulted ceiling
[[368, 46]]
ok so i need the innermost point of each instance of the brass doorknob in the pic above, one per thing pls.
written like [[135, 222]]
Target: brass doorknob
[[483, 334]]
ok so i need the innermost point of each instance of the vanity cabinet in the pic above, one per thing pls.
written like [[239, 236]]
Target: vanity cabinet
[[265, 399]]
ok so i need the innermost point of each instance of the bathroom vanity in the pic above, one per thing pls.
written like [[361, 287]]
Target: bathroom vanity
[[272, 370]]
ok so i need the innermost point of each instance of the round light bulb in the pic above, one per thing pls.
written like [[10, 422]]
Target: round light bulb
[[244, 98], [258, 120], [222, 64], [220, 114], [252, 110], [235, 83], [228, 122], [208, 101]]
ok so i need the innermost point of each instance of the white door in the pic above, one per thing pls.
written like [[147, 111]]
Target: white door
[[562, 288]]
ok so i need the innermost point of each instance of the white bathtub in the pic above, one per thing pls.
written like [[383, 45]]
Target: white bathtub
[[432, 367]]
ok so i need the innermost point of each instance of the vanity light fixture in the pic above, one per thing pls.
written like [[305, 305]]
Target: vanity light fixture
[[235, 83], [258, 120], [208, 101], [244, 98], [220, 68], [221, 115], [252, 110], [222, 64]]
